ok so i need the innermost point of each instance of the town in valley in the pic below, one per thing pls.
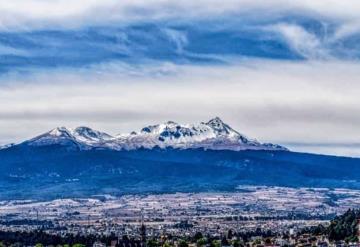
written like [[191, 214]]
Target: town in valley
[[276, 216]]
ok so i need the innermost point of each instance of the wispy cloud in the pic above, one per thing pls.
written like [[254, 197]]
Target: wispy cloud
[[96, 32], [303, 42], [347, 29], [8, 50], [179, 38], [163, 42]]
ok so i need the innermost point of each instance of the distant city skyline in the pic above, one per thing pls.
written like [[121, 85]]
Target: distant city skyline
[[281, 72]]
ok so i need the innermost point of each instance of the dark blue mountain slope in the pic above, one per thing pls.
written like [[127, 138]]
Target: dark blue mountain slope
[[56, 172]]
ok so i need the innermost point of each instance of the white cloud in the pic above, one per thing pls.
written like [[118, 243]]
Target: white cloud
[[303, 102], [19, 15], [347, 29], [41, 14], [301, 41], [8, 50], [179, 38]]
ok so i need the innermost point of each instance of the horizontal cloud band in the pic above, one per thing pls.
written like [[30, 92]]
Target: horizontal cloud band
[[303, 102]]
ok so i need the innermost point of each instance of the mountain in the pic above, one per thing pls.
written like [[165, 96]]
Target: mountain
[[7, 146], [161, 158], [56, 171], [214, 135], [81, 137]]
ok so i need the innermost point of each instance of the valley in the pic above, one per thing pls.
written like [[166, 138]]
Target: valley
[[269, 208]]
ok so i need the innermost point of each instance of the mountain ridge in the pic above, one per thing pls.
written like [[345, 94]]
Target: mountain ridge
[[161, 158], [213, 134]]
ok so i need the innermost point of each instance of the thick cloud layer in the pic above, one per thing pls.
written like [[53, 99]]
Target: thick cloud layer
[[43, 14], [281, 71], [294, 103]]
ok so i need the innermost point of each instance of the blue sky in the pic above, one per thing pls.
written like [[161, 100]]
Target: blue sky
[[280, 71], [213, 41]]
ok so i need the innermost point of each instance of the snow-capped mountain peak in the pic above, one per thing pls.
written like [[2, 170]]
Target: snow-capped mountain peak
[[87, 134], [216, 122], [59, 135], [213, 134], [60, 132], [221, 128], [159, 128], [80, 136]]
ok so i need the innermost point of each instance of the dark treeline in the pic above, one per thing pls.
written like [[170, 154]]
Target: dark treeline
[[35, 237], [343, 227], [29, 222], [292, 216]]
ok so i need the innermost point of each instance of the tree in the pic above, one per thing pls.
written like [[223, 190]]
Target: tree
[[201, 242], [183, 243], [224, 241], [230, 234], [152, 243], [198, 236], [344, 227], [166, 244], [215, 243], [236, 243], [79, 245], [267, 241]]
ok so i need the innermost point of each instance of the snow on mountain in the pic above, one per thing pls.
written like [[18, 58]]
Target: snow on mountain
[[214, 134], [82, 137], [87, 135], [7, 145]]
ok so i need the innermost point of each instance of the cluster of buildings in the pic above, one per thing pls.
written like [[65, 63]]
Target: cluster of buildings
[[288, 239], [273, 209]]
